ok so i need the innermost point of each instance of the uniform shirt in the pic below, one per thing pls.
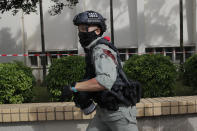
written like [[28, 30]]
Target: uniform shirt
[[105, 62]]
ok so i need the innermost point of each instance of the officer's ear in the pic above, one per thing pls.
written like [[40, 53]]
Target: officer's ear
[[98, 31]]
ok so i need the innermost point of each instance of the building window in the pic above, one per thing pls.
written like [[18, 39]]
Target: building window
[[46, 60], [132, 51], [174, 53], [53, 57], [149, 50], [33, 60], [178, 54], [189, 51], [126, 53], [73, 52], [58, 54], [122, 53], [159, 50], [169, 52], [63, 53]]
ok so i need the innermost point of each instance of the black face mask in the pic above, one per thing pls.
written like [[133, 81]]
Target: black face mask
[[85, 38]]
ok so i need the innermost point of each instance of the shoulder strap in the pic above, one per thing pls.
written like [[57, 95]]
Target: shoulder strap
[[120, 69]]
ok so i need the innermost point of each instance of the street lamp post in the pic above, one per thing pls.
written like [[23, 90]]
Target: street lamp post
[[43, 58], [181, 32], [23, 38], [111, 20]]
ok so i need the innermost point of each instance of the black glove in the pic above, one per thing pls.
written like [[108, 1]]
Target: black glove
[[83, 101], [66, 93]]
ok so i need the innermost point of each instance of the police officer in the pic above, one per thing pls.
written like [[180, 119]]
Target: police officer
[[112, 112]]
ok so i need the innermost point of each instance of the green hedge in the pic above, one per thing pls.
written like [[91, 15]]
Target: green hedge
[[27, 70], [64, 71], [156, 73], [190, 72], [15, 84]]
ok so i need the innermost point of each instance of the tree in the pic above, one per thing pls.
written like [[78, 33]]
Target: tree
[[29, 6]]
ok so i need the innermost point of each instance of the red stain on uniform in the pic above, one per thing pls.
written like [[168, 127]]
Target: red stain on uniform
[[107, 38], [108, 53]]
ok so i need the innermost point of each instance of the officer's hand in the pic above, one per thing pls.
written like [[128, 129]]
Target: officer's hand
[[66, 93], [83, 101]]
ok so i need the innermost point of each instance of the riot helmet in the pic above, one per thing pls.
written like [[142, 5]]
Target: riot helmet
[[90, 18]]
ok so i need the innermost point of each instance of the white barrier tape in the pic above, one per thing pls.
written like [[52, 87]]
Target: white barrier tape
[[37, 54]]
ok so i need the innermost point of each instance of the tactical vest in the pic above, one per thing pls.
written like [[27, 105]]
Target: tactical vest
[[120, 94]]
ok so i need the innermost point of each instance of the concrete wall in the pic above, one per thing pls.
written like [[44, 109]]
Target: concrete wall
[[153, 114]]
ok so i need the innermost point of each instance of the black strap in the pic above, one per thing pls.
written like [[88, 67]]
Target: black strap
[[126, 82], [120, 69]]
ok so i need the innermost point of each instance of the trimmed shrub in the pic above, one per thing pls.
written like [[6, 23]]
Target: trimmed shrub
[[64, 71], [190, 72], [27, 70], [15, 85], [156, 73]]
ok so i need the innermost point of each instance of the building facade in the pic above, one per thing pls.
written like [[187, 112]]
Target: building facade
[[140, 26]]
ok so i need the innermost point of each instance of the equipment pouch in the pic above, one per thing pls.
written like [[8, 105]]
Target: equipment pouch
[[132, 92]]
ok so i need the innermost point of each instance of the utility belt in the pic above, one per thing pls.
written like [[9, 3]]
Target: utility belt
[[107, 101]]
